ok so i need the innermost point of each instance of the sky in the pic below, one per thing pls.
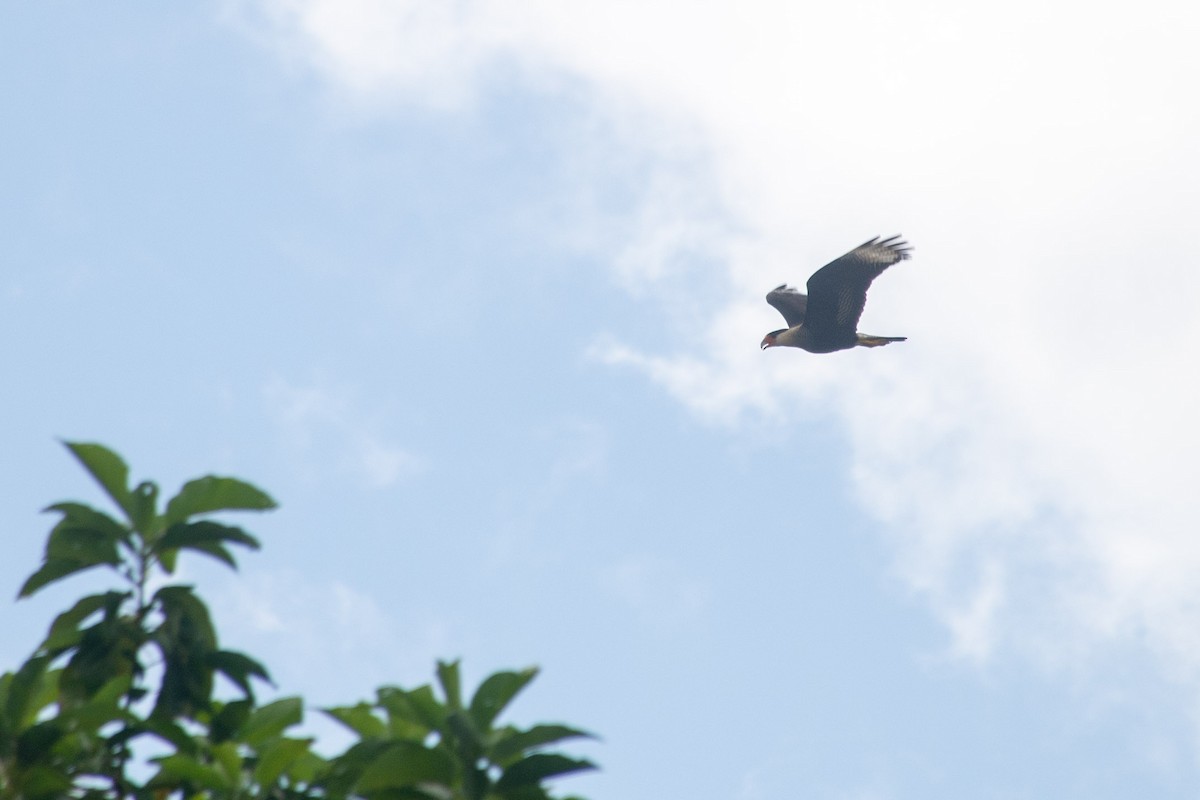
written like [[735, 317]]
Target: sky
[[475, 291]]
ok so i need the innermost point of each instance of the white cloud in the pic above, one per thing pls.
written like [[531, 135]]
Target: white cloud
[[973, 625], [306, 414], [1037, 433], [658, 590]]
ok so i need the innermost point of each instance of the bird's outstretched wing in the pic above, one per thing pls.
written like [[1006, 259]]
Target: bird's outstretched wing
[[790, 302], [837, 291]]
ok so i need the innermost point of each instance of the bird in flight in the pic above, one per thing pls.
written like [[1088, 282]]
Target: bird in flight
[[826, 320]]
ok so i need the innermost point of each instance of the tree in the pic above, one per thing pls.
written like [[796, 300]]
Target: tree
[[118, 700]]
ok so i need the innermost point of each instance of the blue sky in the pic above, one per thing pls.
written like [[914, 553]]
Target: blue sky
[[475, 291]]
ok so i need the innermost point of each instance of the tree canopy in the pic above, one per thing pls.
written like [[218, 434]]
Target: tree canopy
[[119, 699]]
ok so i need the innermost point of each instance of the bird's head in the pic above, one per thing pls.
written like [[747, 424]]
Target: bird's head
[[769, 339]]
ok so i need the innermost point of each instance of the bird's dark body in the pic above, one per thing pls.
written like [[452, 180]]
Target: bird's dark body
[[826, 319], [837, 340]]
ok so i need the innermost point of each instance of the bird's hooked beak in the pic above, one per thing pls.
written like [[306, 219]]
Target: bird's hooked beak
[[768, 341]]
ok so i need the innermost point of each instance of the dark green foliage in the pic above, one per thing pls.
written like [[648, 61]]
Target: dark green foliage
[[82, 539], [413, 744], [74, 716]]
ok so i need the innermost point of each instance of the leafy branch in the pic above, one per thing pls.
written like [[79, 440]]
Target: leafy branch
[[131, 668]]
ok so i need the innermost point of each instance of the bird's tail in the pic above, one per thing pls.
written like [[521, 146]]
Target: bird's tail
[[867, 340]]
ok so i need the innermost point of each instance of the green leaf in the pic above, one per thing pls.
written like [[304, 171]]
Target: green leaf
[[469, 745], [187, 641], [86, 546], [272, 720], [228, 721], [145, 503], [105, 651], [306, 767], [212, 493], [536, 768], [34, 744], [43, 695], [65, 633], [360, 719], [419, 705], [181, 606], [229, 762], [276, 757], [208, 548], [105, 705], [405, 720], [167, 559], [513, 743], [44, 781], [239, 668], [405, 764], [184, 534], [340, 774], [205, 537], [177, 768], [84, 516], [25, 686], [109, 470], [82, 539], [495, 693], [448, 677], [50, 572]]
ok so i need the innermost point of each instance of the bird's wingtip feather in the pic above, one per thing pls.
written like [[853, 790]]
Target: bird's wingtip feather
[[897, 245]]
